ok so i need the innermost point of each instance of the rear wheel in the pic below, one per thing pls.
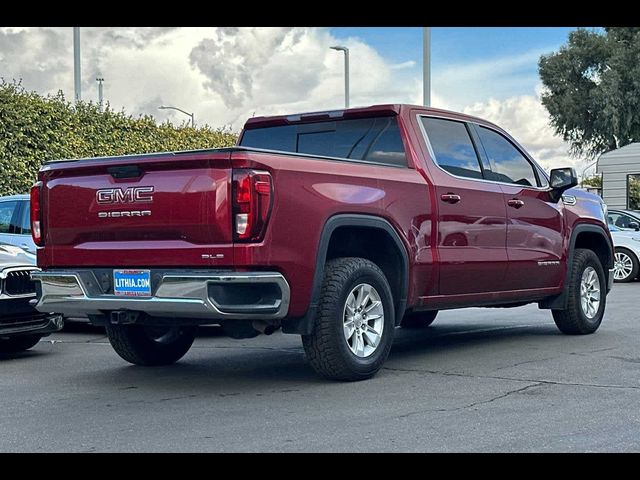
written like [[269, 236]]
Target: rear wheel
[[19, 344], [353, 329], [587, 295], [419, 319], [150, 346], [625, 266]]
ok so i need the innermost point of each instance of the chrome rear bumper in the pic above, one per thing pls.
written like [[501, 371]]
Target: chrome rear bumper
[[197, 295]]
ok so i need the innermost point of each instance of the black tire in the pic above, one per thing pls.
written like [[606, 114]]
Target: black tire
[[416, 320], [326, 348], [150, 346], [573, 320], [19, 343], [634, 265]]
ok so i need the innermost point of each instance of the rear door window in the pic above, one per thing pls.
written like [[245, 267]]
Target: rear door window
[[452, 147], [375, 140]]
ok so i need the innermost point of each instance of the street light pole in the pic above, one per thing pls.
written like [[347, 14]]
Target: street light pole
[[346, 72], [193, 122], [100, 97], [76, 63], [426, 66]]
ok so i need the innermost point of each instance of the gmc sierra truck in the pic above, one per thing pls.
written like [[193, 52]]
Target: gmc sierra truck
[[338, 226]]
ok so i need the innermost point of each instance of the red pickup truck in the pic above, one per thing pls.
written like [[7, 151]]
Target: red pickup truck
[[338, 226]]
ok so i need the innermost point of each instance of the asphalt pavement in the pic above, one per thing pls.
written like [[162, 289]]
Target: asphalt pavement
[[476, 380]]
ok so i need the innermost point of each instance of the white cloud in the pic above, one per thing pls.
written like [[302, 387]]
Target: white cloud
[[403, 65], [225, 75]]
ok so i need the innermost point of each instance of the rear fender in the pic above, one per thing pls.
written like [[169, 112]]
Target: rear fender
[[304, 325]]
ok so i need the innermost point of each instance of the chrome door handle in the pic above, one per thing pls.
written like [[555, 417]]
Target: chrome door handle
[[515, 203], [450, 198]]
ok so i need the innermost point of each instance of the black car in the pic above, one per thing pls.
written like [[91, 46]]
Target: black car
[[21, 326]]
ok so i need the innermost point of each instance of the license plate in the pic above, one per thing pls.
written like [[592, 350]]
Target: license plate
[[132, 283]]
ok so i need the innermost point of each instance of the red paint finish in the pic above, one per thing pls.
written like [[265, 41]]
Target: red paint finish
[[189, 215], [535, 231], [466, 241], [307, 193]]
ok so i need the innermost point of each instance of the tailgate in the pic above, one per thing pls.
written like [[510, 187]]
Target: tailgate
[[168, 209]]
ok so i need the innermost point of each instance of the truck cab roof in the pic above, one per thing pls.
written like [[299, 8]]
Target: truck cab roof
[[357, 112]]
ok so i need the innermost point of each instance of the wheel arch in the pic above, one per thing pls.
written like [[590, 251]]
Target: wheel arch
[[594, 238], [331, 245]]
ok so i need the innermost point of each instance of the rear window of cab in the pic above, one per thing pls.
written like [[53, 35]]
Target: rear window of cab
[[374, 140]]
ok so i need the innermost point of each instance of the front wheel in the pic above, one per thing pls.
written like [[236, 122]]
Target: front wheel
[[625, 266], [150, 346], [354, 326], [587, 295], [19, 343]]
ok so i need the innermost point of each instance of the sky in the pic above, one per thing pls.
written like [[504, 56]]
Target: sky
[[227, 74]]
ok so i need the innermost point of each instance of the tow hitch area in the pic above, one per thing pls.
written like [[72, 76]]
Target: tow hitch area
[[123, 317]]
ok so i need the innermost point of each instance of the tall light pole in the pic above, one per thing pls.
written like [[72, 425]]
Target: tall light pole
[[346, 72], [426, 66], [76, 63], [100, 79], [193, 123]]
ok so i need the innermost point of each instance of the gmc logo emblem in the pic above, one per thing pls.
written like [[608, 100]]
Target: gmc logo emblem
[[128, 195]]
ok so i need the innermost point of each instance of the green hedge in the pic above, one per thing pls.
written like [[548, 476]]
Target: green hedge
[[34, 129]]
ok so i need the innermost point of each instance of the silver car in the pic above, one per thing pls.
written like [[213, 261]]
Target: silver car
[[627, 254], [21, 325], [15, 224]]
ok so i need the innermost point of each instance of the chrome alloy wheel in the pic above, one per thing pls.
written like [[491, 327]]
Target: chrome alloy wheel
[[622, 266], [590, 292], [363, 320]]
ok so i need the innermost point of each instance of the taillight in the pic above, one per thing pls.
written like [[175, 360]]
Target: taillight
[[252, 198], [36, 214]]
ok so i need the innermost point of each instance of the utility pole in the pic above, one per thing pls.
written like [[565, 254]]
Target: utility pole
[[76, 63], [100, 79], [345, 50], [426, 66]]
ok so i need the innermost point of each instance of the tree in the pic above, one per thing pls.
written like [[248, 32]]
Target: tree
[[592, 89], [593, 181], [634, 193], [35, 128]]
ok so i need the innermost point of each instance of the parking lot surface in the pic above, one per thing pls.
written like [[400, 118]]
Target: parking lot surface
[[476, 380]]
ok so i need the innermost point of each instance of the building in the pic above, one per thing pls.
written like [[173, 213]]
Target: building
[[620, 170]]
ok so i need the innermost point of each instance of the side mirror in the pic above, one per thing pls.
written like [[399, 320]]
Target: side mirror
[[561, 179], [635, 226]]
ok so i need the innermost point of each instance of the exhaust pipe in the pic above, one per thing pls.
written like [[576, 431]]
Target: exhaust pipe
[[264, 327]]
